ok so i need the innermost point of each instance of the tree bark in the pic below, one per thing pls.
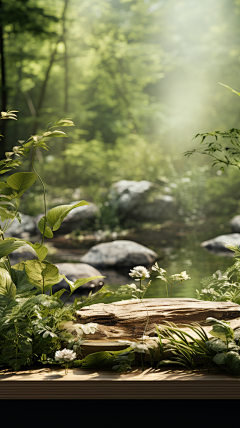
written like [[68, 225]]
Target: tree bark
[[3, 90], [51, 62]]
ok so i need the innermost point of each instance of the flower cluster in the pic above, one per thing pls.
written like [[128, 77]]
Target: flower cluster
[[140, 347], [66, 355], [180, 276], [78, 329], [139, 273]]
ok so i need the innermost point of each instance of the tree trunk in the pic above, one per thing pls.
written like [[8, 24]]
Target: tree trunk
[[3, 90], [44, 85]]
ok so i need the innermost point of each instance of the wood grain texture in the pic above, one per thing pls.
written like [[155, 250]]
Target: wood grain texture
[[48, 383], [126, 319]]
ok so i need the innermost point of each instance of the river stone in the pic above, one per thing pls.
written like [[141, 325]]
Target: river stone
[[74, 271], [26, 228], [120, 253], [127, 194], [218, 244], [141, 200], [160, 208], [235, 224]]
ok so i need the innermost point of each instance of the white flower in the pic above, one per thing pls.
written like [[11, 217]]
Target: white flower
[[65, 355], [138, 347], [180, 276], [139, 272], [89, 328], [49, 333]]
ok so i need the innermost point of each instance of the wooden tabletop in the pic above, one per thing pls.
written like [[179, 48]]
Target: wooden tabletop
[[53, 383]]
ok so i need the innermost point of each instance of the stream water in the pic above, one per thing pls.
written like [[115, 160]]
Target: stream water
[[179, 249]]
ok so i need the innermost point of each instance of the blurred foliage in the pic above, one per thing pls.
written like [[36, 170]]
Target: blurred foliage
[[139, 79]]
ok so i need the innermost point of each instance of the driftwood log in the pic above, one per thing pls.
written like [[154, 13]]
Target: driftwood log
[[126, 319]]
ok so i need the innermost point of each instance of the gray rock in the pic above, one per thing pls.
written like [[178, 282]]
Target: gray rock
[[120, 253], [141, 200], [74, 271], [235, 224], [218, 244], [159, 209], [26, 228], [128, 194]]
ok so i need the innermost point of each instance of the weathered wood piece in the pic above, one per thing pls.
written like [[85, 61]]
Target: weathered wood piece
[[126, 319]]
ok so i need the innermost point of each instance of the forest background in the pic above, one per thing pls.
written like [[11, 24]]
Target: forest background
[[139, 78]]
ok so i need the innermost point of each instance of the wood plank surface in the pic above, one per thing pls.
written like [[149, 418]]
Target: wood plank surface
[[48, 383]]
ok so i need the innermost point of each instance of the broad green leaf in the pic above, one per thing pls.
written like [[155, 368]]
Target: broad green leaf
[[216, 345], [6, 214], [54, 134], [48, 233], [219, 358], [237, 334], [50, 302], [233, 362], [235, 92], [59, 293], [99, 359], [56, 215], [222, 332], [64, 122], [7, 287], [41, 250], [42, 274], [8, 245], [23, 286], [79, 282], [21, 181]]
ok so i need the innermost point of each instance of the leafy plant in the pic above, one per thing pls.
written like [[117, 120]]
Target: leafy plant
[[29, 317], [179, 277], [223, 286], [225, 152], [184, 350]]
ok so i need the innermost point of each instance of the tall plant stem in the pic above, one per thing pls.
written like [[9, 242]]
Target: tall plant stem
[[44, 196]]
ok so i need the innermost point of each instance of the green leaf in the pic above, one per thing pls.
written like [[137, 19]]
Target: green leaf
[[216, 345], [222, 332], [7, 287], [64, 122], [50, 302], [237, 334], [54, 134], [59, 293], [100, 359], [23, 286], [56, 215], [79, 282], [233, 362], [48, 233], [40, 249], [219, 358], [8, 245], [42, 274], [21, 181]]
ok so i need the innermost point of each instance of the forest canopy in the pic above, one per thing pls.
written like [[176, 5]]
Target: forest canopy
[[139, 78]]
